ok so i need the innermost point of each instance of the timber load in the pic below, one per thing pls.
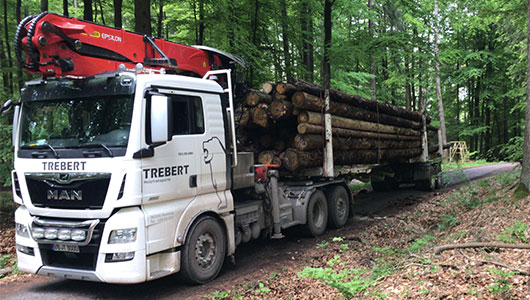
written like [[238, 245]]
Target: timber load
[[283, 124]]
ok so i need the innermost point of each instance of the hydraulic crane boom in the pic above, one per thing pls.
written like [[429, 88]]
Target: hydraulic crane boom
[[59, 46]]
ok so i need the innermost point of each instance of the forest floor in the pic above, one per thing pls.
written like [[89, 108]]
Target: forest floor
[[386, 255], [393, 257]]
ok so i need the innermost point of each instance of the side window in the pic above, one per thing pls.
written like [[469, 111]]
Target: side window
[[188, 116]]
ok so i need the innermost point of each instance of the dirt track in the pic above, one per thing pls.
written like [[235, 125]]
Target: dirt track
[[255, 261]]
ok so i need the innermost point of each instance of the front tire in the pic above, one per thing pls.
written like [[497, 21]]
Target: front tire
[[317, 214], [204, 251], [338, 206]]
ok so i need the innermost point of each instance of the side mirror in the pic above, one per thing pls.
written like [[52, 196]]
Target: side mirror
[[6, 106], [161, 123]]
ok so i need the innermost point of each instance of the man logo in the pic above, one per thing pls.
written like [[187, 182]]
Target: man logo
[[68, 195]]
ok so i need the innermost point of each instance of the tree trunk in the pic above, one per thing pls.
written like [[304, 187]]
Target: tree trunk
[[306, 128], [101, 12], [268, 87], [359, 101], [256, 97], [372, 65], [437, 74], [43, 5], [525, 173], [307, 101], [280, 109], [260, 115], [201, 22], [326, 67], [18, 15], [285, 39], [294, 159], [142, 16], [65, 8], [88, 14], [117, 13], [285, 88], [340, 122], [315, 141], [8, 49], [160, 16]]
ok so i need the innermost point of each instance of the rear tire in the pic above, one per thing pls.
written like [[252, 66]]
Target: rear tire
[[204, 251], [317, 214], [338, 206]]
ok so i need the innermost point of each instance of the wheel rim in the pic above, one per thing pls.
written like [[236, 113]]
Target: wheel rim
[[318, 214], [205, 250], [433, 182], [341, 207]]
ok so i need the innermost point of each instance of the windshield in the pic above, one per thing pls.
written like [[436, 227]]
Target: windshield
[[74, 123]]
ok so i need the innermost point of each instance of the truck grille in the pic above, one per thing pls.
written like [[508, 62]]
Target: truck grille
[[68, 190], [86, 259]]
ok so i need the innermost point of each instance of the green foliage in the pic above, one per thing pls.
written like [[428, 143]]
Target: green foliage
[[516, 233], [322, 244], [511, 151], [447, 221], [502, 283], [348, 282], [420, 244], [6, 155]]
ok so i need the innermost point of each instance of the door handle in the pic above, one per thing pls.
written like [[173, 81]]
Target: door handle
[[193, 181]]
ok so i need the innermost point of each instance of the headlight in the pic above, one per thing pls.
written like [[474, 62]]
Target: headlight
[[78, 235], [22, 230], [50, 233], [37, 232], [120, 236], [65, 234]]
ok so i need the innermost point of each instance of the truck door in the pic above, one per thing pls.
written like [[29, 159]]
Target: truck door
[[213, 180], [170, 176]]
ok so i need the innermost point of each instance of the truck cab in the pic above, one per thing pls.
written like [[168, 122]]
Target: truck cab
[[113, 171]]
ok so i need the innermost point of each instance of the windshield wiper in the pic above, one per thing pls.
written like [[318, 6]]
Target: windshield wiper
[[96, 145], [41, 146]]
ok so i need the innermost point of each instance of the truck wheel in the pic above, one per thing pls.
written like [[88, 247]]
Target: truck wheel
[[338, 206], [204, 252], [317, 214]]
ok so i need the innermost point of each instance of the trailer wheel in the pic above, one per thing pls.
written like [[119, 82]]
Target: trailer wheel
[[338, 206], [317, 214], [427, 184], [438, 174], [204, 252]]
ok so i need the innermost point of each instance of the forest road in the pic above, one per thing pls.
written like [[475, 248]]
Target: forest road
[[255, 260]]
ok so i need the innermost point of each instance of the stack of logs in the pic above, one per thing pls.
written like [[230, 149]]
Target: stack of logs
[[283, 124]]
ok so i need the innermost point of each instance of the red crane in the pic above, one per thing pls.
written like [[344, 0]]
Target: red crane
[[59, 46]]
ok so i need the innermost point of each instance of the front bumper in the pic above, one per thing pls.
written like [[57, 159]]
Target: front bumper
[[131, 271]]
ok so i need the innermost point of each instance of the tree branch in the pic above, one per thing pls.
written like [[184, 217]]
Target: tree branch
[[442, 248]]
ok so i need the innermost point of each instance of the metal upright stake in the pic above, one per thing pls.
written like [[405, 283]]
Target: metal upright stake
[[328, 153]]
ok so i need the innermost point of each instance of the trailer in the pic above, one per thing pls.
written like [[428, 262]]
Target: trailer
[[126, 163]]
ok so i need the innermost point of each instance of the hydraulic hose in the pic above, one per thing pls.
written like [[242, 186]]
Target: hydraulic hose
[[31, 31], [18, 39]]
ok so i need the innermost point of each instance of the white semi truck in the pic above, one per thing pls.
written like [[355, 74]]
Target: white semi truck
[[134, 174]]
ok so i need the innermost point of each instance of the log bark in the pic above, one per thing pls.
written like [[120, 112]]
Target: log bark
[[278, 96], [315, 141], [267, 157], [285, 88], [268, 87], [294, 159], [256, 97], [309, 102], [260, 115], [242, 116], [340, 122], [358, 101], [280, 109], [280, 145], [306, 128]]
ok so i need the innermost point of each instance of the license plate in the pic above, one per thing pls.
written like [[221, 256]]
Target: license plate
[[66, 248]]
